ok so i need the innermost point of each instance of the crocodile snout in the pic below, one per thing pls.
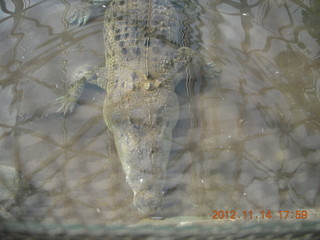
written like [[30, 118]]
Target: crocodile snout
[[142, 130], [148, 202], [144, 159]]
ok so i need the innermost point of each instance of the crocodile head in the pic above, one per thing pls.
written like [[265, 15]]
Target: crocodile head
[[142, 124]]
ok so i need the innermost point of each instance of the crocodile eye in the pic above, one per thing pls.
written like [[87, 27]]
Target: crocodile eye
[[136, 123], [132, 121], [159, 120]]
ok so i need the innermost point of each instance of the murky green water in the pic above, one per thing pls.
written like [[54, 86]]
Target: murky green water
[[248, 140]]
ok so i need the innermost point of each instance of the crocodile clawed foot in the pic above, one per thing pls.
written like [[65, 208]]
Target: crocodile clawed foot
[[67, 105], [80, 15], [212, 70]]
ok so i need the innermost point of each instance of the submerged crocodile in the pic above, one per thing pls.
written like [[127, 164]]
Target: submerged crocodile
[[144, 63]]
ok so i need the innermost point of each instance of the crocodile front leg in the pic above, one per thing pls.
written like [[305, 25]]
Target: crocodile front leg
[[96, 76]]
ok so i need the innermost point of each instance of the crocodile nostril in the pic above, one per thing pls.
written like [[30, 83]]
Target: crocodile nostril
[[154, 150]]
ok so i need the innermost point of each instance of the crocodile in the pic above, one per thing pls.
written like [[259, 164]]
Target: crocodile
[[145, 60]]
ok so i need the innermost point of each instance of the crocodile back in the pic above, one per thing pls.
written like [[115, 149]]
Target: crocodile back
[[141, 38]]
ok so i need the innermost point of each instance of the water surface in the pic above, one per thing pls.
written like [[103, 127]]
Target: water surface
[[246, 140]]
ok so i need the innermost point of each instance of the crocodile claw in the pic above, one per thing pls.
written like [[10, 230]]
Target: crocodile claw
[[213, 69], [79, 20], [80, 15], [67, 105]]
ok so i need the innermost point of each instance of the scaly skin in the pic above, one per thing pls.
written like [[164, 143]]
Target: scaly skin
[[143, 65]]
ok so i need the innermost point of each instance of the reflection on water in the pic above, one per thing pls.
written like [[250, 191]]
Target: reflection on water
[[249, 140]]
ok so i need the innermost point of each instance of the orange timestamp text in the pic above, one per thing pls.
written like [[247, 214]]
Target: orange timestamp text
[[264, 214]]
